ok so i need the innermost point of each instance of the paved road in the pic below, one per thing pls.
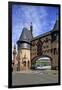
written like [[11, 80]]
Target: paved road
[[34, 77]]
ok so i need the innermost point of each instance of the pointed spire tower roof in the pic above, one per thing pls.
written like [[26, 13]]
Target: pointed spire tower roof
[[25, 35]]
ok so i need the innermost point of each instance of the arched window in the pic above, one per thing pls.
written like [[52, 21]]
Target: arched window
[[24, 63], [55, 51]]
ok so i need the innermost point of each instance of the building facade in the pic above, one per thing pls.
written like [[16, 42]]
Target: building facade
[[30, 48], [24, 44], [47, 44]]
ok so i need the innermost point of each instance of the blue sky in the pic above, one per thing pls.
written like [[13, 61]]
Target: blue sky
[[42, 17]]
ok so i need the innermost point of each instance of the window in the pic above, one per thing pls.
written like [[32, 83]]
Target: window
[[24, 62], [51, 50], [33, 43], [39, 47], [46, 40], [48, 51], [54, 37], [44, 46], [47, 46], [55, 51]]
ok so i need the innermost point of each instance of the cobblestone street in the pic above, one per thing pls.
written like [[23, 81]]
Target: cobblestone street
[[34, 77]]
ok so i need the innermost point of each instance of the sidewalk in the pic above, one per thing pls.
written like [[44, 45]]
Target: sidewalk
[[49, 72]]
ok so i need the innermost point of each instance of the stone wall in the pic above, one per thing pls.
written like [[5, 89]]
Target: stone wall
[[49, 48]]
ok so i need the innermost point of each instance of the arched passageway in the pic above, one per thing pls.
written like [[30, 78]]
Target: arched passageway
[[42, 62]]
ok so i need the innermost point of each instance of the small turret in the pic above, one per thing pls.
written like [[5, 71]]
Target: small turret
[[31, 28], [14, 51], [14, 54]]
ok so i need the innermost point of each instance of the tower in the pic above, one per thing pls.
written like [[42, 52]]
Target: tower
[[14, 59], [31, 28], [14, 54], [24, 44]]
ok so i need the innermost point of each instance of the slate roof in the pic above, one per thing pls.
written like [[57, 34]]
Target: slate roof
[[25, 35], [42, 35]]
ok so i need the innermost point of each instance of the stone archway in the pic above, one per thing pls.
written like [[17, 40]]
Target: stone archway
[[42, 62]]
